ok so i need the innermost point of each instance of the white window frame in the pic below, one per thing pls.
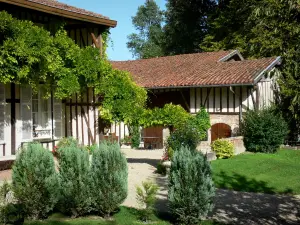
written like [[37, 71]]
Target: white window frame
[[2, 123], [41, 132]]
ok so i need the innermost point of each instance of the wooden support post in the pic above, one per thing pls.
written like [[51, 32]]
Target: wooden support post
[[97, 41]]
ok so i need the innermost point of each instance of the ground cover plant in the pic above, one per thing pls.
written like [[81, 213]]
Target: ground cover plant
[[126, 216], [259, 172]]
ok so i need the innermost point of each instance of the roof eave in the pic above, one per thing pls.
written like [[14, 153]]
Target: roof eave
[[201, 86], [61, 12], [276, 62], [231, 54]]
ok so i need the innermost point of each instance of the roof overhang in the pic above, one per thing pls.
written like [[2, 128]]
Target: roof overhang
[[276, 62], [200, 86], [61, 12]]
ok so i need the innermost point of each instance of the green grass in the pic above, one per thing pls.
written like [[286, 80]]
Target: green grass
[[265, 173], [126, 216]]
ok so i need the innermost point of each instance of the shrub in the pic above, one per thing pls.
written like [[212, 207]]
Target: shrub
[[74, 174], [10, 211], [109, 174], [35, 181], [191, 133], [146, 197], [223, 148], [263, 130], [161, 169], [135, 136], [191, 188], [67, 142]]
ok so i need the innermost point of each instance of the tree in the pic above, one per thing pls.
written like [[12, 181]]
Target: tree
[[148, 23], [186, 25], [229, 27], [264, 28]]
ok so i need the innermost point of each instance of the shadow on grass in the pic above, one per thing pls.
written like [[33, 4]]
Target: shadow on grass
[[245, 207], [239, 182]]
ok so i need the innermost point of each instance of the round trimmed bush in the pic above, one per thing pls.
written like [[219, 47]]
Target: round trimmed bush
[[223, 148], [263, 130], [35, 181], [191, 188]]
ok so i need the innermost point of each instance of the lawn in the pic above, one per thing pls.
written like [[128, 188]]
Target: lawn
[[126, 216], [266, 173]]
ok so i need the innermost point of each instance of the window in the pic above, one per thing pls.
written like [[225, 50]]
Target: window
[[41, 120], [2, 111], [36, 116]]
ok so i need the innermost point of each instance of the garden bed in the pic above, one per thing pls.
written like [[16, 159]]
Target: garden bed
[[126, 216], [266, 173]]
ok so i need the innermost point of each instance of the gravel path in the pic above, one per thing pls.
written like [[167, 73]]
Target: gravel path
[[230, 207]]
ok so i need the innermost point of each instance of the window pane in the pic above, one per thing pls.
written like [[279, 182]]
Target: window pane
[[35, 105], [35, 118]]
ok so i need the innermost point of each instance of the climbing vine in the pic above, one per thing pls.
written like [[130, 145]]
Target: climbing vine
[[30, 55]]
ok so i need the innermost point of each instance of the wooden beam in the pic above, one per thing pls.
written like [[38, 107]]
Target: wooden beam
[[63, 13], [97, 41], [185, 102]]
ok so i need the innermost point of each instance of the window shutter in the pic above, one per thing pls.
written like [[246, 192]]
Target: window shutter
[[57, 113], [26, 113], [2, 111]]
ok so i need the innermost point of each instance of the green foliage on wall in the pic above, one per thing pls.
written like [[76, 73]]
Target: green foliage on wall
[[30, 55]]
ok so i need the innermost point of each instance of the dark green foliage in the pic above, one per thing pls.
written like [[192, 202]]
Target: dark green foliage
[[263, 130], [148, 22], [186, 25], [35, 181], [75, 181], [135, 134], [109, 174], [191, 189], [161, 169], [146, 197], [10, 211], [191, 133]]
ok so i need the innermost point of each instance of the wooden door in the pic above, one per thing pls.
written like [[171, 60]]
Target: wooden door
[[153, 137], [220, 130]]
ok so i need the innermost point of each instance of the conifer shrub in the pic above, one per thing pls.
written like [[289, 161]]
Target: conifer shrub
[[263, 130], [75, 181], [223, 148], [191, 189], [146, 198], [35, 181], [109, 174]]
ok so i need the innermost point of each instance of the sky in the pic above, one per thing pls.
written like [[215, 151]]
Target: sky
[[121, 11]]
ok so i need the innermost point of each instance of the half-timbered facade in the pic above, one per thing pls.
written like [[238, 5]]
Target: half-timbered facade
[[223, 82], [26, 117]]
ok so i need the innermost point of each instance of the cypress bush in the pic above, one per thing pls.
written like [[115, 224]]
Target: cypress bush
[[263, 130], [109, 174], [35, 181], [74, 174], [191, 189]]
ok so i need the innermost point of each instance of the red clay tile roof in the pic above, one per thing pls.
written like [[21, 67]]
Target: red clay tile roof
[[201, 69], [55, 7]]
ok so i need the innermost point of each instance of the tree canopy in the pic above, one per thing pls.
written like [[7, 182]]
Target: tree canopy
[[186, 25], [148, 22]]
